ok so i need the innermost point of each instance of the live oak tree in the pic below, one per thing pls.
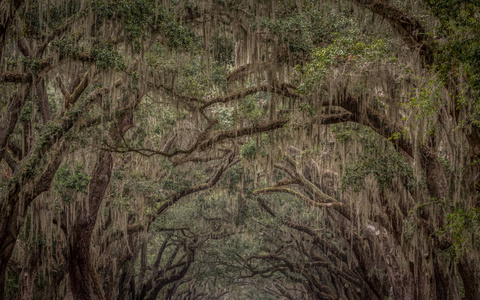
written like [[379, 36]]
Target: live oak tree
[[117, 115]]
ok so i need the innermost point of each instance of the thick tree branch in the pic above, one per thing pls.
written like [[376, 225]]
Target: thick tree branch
[[15, 77], [204, 142], [338, 206], [179, 195], [9, 10], [273, 87], [44, 105], [408, 25], [10, 161], [381, 124], [11, 116], [63, 89]]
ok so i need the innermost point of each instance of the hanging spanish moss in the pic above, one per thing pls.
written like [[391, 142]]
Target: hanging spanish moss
[[238, 150]]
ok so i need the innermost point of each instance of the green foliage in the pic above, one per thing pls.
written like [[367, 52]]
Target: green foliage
[[127, 184], [344, 49], [398, 135], [193, 77], [40, 19], [426, 99], [136, 15], [307, 109], [301, 33], [178, 36], [243, 216], [446, 164], [11, 62], [138, 18], [251, 108], [32, 64], [377, 159], [177, 183], [224, 116], [255, 147], [141, 17], [249, 150], [425, 103], [383, 168], [345, 132], [68, 182], [232, 178], [157, 56], [219, 75], [66, 47], [464, 227], [26, 114], [458, 55], [51, 130], [476, 160], [138, 186], [107, 57], [223, 49]]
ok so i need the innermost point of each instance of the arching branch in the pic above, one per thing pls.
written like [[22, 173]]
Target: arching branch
[[410, 26]]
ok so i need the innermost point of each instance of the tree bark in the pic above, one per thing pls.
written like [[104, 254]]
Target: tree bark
[[468, 269], [14, 208], [28, 279], [10, 119], [159, 284], [84, 280]]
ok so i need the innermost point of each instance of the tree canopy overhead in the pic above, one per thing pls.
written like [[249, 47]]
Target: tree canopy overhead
[[234, 149]]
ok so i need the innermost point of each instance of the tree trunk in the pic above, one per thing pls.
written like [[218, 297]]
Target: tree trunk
[[468, 269], [12, 214], [84, 280], [28, 282], [7, 243]]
